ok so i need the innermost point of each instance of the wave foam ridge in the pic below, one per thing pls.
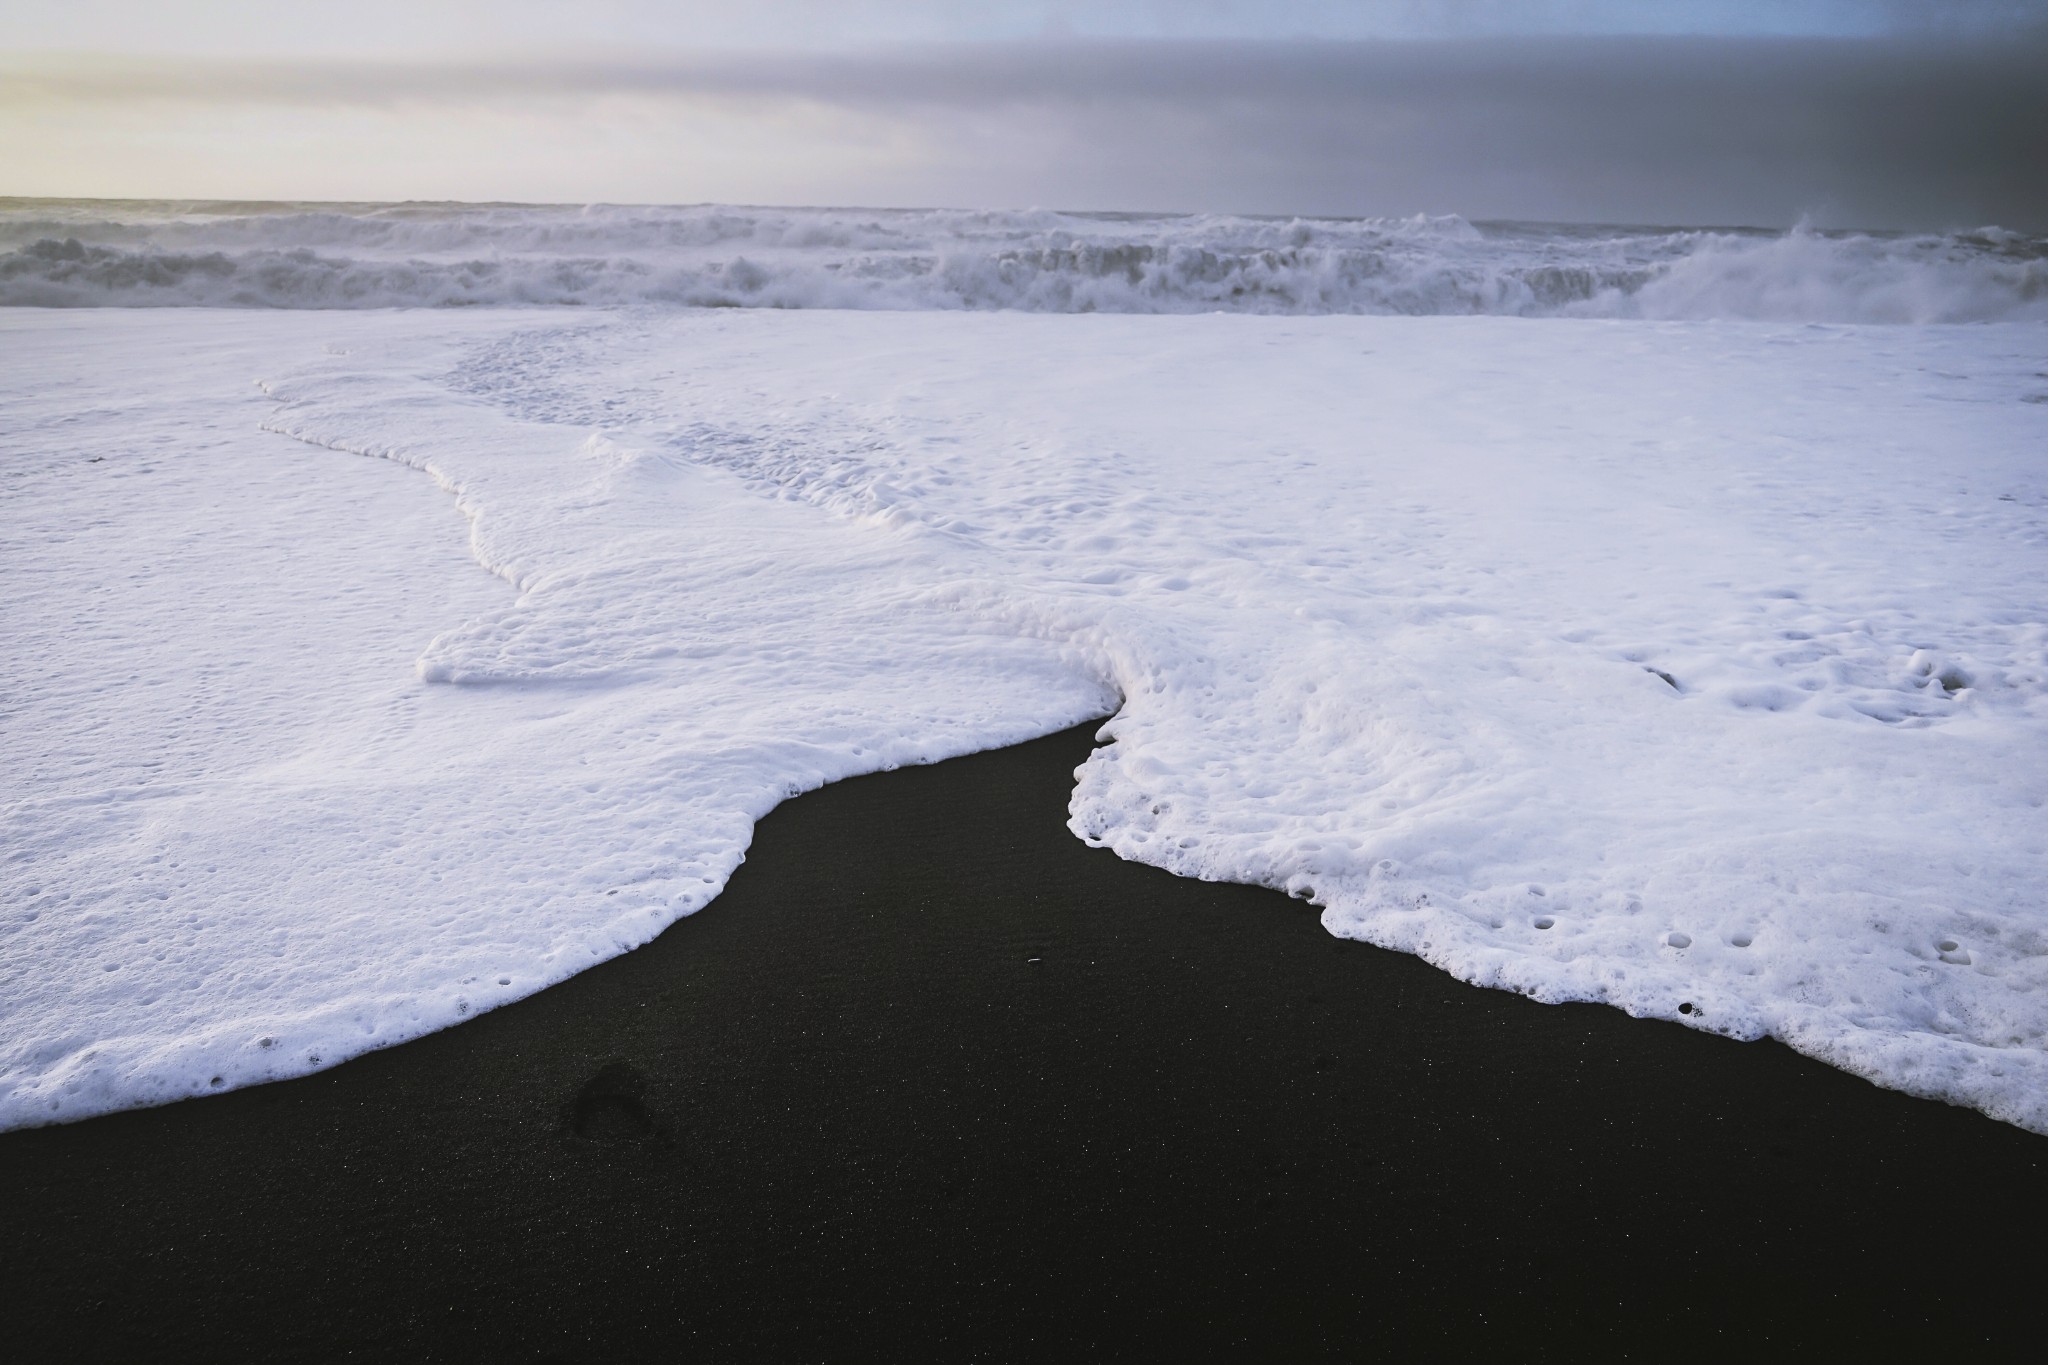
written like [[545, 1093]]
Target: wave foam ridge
[[377, 256]]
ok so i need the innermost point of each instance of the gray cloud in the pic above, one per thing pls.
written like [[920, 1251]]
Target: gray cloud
[[389, 28], [1925, 131]]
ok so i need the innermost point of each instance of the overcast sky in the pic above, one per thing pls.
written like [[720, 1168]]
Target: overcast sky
[[1880, 113]]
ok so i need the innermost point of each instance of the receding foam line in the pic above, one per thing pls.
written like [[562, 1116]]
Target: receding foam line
[[1699, 670]]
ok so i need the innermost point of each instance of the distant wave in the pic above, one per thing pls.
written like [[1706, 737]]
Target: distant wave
[[92, 254]]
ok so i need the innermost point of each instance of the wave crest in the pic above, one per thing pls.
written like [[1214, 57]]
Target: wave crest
[[376, 256]]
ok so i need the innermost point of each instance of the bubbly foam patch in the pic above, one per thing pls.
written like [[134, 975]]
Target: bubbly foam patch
[[1698, 669]]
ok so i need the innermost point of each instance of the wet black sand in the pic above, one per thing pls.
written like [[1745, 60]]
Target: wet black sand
[[842, 1114]]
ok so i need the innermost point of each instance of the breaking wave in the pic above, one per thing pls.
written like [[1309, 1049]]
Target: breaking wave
[[153, 254]]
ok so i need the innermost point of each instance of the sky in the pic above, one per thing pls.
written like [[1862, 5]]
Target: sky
[[1858, 113]]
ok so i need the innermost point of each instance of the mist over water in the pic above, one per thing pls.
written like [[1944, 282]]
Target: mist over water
[[56, 253]]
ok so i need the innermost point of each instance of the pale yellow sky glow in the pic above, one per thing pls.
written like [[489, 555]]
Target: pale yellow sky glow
[[84, 128]]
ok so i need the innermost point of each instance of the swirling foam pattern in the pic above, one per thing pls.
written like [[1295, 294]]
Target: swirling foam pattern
[[1696, 668]]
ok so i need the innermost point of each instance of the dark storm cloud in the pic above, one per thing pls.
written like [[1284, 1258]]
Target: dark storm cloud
[[1920, 131], [1870, 133], [1956, 16]]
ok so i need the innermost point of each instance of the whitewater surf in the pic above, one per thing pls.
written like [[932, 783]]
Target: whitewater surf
[[1697, 666]]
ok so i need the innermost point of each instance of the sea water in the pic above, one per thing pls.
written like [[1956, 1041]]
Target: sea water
[[59, 253], [1696, 667]]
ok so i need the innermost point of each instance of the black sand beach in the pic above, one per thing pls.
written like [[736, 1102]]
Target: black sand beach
[[935, 1081]]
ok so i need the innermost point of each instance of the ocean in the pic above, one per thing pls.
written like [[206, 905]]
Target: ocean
[[57, 253], [1651, 616]]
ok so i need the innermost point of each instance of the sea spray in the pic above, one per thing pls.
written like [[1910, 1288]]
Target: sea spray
[[88, 254]]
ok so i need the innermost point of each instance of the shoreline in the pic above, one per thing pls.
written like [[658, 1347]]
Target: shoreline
[[932, 1078]]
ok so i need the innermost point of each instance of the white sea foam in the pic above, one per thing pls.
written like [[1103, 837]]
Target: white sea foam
[[1696, 668], [63, 254]]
